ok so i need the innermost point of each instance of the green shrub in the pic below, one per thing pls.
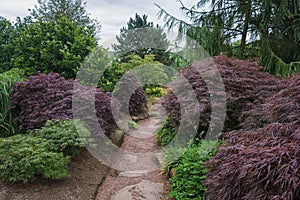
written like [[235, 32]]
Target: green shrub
[[167, 133], [23, 157], [148, 71], [112, 75], [171, 156], [156, 91], [7, 80], [64, 136], [188, 181]]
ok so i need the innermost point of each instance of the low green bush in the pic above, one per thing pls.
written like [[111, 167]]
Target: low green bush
[[65, 136], [188, 181], [171, 158], [24, 157], [43, 152], [132, 124]]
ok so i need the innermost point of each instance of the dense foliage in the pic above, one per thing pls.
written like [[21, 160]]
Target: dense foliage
[[6, 47], [273, 26], [255, 87], [148, 71], [48, 97], [7, 80], [55, 46], [23, 157], [263, 162], [56, 37], [137, 73], [65, 136], [75, 10], [190, 173]]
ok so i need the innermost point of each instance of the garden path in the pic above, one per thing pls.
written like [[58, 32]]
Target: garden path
[[144, 180]]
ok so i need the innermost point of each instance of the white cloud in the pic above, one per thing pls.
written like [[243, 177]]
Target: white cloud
[[10, 9], [113, 15]]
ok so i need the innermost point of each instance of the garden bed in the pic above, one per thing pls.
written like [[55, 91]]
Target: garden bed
[[87, 173]]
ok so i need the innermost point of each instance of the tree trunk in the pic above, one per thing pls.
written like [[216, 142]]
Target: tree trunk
[[246, 26]]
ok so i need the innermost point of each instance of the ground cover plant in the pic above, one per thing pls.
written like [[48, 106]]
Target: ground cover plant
[[190, 172], [66, 136], [23, 157]]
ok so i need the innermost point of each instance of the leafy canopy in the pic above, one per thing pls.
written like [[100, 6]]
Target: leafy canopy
[[75, 10], [55, 46]]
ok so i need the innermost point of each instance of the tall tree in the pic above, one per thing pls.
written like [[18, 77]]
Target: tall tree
[[279, 27], [273, 23], [142, 38], [216, 26], [75, 10]]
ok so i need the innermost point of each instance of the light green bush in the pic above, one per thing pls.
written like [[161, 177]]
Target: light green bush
[[65, 136], [156, 91], [43, 152], [24, 157]]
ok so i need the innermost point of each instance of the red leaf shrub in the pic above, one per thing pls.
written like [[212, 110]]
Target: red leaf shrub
[[49, 97], [283, 107], [261, 163], [245, 85]]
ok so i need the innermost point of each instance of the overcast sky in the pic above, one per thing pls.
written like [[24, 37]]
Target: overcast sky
[[112, 14]]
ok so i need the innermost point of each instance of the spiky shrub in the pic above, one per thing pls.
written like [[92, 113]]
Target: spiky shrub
[[7, 80], [245, 87], [49, 97], [24, 157], [262, 163]]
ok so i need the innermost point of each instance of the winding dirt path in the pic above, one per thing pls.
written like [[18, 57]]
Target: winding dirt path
[[141, 178]]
